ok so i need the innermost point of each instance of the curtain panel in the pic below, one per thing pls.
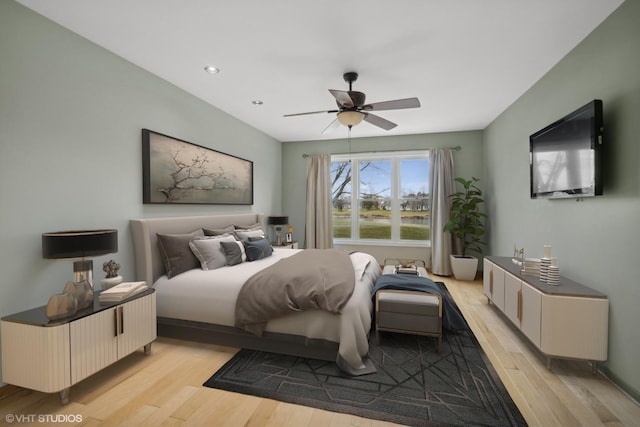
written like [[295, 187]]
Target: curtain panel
[[318, 223], [442, 184]]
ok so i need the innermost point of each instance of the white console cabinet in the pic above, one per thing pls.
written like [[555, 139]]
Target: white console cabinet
[[51, 356], [568, 320]]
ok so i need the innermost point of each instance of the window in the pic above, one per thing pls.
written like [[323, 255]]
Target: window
[[381, 198]]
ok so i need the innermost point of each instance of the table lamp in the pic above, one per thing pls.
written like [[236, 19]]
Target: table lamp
[[277, 222], [79, 245]]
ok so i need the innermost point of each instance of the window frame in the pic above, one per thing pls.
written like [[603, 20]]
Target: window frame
[[395, 157]]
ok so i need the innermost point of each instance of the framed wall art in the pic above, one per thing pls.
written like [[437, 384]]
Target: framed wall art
[[176, 171]]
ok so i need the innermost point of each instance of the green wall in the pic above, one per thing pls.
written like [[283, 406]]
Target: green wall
[[468, 162], [597, 241], [70, 149]]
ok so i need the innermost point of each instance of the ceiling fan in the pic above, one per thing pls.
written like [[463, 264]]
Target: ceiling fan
[[352, 110]]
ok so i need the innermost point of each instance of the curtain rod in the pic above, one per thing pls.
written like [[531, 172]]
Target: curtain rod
[[456, 148]]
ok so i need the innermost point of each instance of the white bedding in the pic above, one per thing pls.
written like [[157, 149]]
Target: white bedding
[[210, 297]]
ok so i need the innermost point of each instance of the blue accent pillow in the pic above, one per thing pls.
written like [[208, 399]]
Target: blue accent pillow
[[257, 249]]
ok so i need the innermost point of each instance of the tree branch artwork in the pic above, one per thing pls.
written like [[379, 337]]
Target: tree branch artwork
[[176, 171], [194, 174]]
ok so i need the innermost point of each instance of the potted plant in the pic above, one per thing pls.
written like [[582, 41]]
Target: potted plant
[[467, 226]]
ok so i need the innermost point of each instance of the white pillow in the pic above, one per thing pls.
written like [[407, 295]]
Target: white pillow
[[244, 254], [360, 261], [209, 252], [244, 235]]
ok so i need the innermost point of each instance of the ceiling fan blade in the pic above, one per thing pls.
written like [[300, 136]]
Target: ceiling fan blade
[[332, 126], [396, 104], [311, 112], [349, 99], [379, 121], [342, 97]]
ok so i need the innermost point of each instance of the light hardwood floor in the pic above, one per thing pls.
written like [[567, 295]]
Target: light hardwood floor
[[165, 388]]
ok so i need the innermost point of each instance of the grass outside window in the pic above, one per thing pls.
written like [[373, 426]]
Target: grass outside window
[[371, 227]]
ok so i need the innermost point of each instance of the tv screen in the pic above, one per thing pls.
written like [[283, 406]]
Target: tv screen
[[565, 156]]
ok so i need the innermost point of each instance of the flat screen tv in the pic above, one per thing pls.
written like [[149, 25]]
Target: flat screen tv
[[565, 156]]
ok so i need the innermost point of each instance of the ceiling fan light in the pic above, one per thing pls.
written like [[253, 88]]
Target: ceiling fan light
[[350, 118]]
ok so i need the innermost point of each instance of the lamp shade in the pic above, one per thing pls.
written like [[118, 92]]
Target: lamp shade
[[278, 220], [79, 244], [350, 118]]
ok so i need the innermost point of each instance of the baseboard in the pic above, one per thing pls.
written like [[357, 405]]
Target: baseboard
[[625, 388]]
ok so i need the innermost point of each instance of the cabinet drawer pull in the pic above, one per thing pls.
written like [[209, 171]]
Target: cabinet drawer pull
[[491, 282], [520, 305], [115, 322], [121, 310]]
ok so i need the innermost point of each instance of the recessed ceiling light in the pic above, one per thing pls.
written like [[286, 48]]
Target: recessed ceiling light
[[211, 69], [257, 102]]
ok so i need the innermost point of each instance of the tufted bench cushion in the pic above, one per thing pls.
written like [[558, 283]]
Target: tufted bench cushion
[[409, 312]]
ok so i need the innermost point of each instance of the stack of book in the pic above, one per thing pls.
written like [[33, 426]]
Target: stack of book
[[406, 269], [531, 267], [122, 291]]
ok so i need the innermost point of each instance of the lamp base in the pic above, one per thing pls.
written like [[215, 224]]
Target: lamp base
[[83, 270]]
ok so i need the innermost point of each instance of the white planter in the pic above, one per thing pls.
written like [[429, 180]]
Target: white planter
[[464, 268], [111, 282]]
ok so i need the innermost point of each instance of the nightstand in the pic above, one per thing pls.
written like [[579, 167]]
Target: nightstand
[[291, 245], [52, 355]]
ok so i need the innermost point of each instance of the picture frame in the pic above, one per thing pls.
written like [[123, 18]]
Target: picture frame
[[179, 172]]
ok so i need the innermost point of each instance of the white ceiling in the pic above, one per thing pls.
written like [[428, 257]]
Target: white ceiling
[[466, 60]]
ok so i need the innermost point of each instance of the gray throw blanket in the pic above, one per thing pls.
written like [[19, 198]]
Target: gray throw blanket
[[313, 279]]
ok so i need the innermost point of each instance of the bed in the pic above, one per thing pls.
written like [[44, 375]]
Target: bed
[[200, 305]]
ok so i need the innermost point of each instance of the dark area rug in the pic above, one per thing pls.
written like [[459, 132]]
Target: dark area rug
[[415, 385]]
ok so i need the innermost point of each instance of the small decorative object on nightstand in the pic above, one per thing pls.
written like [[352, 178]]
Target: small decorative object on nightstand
[[111, 268], [61, 306], [82, 293], [289, 233]]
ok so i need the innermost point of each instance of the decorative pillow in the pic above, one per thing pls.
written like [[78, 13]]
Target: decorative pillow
[[248, 227], [257, 249], [176, 254], [360, 263], [209, 252], [233, 252], [218, 231], [244, 235]]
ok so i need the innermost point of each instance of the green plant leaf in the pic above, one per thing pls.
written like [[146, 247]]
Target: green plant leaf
[[466, 221]]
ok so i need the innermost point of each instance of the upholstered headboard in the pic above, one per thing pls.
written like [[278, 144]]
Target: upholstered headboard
[[149, 265]]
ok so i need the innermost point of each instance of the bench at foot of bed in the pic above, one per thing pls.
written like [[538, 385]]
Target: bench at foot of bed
[[409, 312]]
